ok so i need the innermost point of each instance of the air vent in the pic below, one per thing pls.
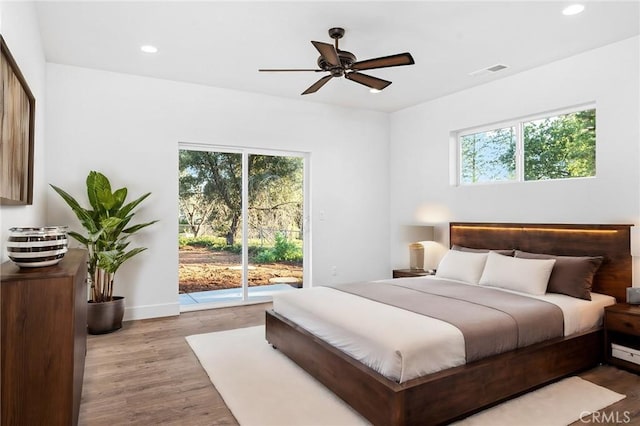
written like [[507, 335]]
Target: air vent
[[488, 70], [497, 67]]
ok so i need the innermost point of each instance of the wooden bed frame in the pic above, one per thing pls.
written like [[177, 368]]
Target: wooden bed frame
[[457, 392]]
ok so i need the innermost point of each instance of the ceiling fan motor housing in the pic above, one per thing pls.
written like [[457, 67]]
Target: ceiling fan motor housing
[[346, 60]]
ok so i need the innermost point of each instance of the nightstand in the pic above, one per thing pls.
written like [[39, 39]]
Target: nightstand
[[622, 336], [404, 273]]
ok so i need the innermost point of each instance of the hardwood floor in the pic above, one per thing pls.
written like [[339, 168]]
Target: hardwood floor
[[146, 374], [620, 381]]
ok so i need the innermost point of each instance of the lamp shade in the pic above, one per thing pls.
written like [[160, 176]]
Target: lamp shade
[[415, 233]]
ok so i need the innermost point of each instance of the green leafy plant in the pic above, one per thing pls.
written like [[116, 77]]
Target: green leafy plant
[[265, 255], [108, 231], [283, 250]]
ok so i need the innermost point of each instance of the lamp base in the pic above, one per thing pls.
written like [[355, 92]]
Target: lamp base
[[416, 256]]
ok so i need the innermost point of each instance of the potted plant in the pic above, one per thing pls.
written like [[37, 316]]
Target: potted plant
[[108, 229]]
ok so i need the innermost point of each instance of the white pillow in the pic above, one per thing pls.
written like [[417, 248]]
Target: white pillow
[[514, 273], [462, 266]]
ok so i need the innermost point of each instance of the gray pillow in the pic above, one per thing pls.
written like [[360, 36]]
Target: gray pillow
[[571, 275], [472, 250]]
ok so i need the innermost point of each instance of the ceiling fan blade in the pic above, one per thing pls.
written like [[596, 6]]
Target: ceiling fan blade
[[285, 70], [367, 80], [317, 85], [328, 52], [384, 62]]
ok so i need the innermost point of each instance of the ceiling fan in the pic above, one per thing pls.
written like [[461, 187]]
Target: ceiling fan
[[340, 63]]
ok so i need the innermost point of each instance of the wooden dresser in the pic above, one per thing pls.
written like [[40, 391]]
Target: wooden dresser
[[44, 336]]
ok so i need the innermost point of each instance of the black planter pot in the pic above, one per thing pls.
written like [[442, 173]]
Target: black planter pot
[[105, 317]]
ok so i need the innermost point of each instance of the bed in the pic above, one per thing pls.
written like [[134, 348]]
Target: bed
[[457, 391]]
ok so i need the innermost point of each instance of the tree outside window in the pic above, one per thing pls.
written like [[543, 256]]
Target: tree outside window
[[488, 156], [560, 147], [554, 147]]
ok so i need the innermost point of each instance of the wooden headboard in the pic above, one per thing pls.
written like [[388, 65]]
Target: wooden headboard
[[613, 242]]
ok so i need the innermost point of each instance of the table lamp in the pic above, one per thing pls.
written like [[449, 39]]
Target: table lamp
[[414, 234]]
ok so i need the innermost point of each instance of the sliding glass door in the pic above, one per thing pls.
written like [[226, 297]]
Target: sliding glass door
[[241, 224], [275, 223]]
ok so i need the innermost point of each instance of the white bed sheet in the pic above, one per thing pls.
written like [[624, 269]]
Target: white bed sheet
[[400, 344]]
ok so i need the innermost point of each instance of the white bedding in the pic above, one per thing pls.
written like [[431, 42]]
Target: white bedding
[[400, 344]]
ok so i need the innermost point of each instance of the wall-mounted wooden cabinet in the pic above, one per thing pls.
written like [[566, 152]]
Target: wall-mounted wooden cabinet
[[44, 336]]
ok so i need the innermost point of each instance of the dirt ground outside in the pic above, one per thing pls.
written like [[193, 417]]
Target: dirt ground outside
[[202, 270]]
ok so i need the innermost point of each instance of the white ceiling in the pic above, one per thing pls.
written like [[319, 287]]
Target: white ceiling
[[223, 43]]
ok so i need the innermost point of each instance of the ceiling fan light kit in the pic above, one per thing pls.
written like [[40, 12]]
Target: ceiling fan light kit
[[340, 63]]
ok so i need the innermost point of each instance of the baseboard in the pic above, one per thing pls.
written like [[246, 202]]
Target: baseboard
[[151, 311], [215, 305]]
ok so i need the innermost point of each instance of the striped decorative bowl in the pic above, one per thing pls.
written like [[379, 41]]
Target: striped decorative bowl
[[33, 247]]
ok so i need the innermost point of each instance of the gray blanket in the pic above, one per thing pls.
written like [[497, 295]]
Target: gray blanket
[[491, 321]]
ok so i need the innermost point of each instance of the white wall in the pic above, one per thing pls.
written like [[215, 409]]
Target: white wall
[[19, 27], [420, 148], [129, 127]]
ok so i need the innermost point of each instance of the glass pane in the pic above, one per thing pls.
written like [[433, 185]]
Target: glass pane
[[275, 219], [559, 147], [488, 156], [210, 228]]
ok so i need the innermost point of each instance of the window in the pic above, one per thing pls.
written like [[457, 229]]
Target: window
[[488, 156], [537, 148]]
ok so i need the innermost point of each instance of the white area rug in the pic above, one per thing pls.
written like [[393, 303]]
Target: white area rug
[[262, 387]]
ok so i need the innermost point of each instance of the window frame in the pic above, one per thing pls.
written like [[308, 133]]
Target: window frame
[[518, 124]]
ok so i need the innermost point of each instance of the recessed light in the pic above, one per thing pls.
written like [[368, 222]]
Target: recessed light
[[147, 48], [374, 91], [574, 9]]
